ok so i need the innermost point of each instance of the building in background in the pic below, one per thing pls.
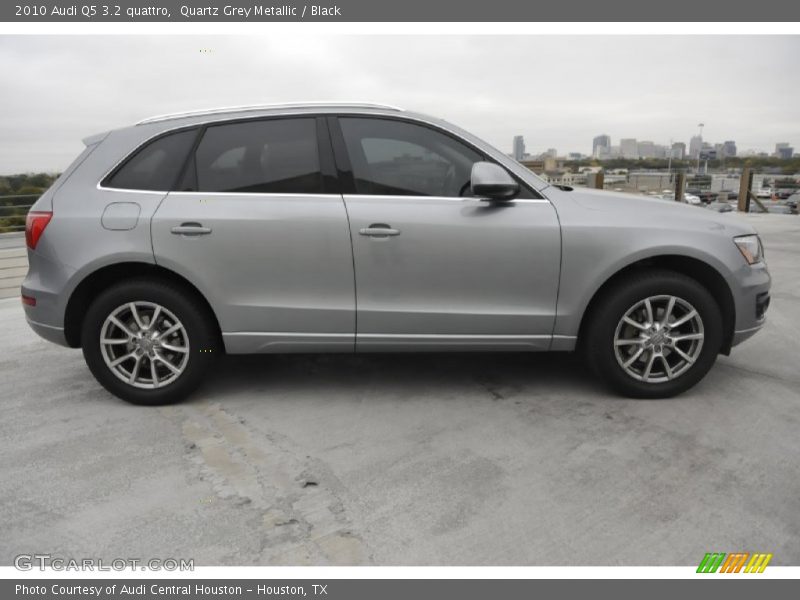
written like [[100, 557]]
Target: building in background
[[695, 146], [678, 150], [708, 152], [551, 153], [518, 151], [784, 151], [646, 149], [629, 148], [650, 181], [601, 146], [729, 148]]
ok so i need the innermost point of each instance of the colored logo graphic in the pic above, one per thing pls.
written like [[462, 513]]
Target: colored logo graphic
[[735, 562]]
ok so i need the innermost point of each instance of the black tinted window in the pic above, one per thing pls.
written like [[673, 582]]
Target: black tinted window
[[156, 165], [396, 158], [277, 156]]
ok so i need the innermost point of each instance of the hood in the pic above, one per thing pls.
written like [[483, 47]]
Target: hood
[[635, 208]]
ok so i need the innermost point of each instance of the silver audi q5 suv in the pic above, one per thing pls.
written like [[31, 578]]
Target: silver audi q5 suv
[[366, 228]]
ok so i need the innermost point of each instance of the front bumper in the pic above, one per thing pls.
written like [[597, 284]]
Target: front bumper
[[752, 301]]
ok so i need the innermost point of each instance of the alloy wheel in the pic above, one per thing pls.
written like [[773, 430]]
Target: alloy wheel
[[144, 344], [658, 338]]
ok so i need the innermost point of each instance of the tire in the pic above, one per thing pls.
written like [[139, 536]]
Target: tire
[[610, 342], [176, 362]]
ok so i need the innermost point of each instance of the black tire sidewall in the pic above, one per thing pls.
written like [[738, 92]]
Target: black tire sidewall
[[624, 294], [202, 339]]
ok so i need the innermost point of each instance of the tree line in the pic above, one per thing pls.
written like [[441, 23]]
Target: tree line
[[13, 208]]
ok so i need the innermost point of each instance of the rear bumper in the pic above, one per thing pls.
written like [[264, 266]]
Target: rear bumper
[[49, 332], [46, 282]]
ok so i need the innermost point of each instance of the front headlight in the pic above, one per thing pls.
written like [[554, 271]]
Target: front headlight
[[751, 248]]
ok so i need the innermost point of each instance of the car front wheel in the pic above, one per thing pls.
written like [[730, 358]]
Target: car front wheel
[[654, 334], [148, 342]]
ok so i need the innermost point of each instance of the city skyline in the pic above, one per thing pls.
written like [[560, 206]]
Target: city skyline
[[632, 148], [66, 88]]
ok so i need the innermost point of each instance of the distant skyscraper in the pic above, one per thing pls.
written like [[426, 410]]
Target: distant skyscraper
[[552, 153], [646, 149], [729, 148], [679, 150], [695, 146], [784, 150], [708, 152], [601, 145], [629, 148], [519, 147]]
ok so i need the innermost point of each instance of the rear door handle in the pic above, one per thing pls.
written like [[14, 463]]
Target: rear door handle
[[378, 230], [190, 229]]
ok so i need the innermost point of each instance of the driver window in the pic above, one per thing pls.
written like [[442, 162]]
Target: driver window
[[402, 159]]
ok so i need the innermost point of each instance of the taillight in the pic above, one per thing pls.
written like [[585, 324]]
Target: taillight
[[35, 223]]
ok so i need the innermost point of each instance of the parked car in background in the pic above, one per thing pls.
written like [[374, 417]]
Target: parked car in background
[[366, 228], [692, 199], [779, 209], [721, 207]]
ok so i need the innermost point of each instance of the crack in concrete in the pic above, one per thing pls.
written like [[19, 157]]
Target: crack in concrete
[[302, 519]]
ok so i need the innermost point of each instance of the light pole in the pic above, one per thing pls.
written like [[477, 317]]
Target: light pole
[[669, 164]]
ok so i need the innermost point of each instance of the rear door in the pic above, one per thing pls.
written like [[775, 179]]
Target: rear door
[[435, 267], [259, 227]]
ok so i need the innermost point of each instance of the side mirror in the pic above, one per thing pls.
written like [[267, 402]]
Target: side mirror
[[492, 181]]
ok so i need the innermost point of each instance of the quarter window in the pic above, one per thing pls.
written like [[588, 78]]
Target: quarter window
[[275, 156], [155, 166]]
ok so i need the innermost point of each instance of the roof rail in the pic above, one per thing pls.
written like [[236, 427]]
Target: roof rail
[[252, 107]]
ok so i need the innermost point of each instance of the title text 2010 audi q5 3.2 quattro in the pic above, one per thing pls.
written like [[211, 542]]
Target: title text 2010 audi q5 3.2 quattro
[[365, 228]]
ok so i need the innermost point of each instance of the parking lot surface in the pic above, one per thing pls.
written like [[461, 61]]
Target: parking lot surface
[[473, 459]]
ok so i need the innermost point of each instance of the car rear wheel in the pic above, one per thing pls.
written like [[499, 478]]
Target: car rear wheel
[[654, 334], [148, 342]]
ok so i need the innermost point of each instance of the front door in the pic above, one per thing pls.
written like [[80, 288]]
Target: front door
[[436, 268]]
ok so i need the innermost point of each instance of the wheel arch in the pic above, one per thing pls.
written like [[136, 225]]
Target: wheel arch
[[702, 272], [97, 281]]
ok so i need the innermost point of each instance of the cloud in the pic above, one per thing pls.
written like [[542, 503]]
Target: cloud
[[557, 91]]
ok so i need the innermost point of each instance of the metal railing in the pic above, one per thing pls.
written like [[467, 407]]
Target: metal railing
[[13, 210]]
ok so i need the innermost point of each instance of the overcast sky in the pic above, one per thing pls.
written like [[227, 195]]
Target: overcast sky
[[557, 91]]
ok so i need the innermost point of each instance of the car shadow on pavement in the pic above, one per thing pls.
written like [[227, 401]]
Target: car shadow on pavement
[[496, 374]]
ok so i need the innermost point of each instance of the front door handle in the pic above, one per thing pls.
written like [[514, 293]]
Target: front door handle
[[379, 230], [190, 229]]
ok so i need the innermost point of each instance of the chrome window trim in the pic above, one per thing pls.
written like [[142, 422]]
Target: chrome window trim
[[376, 197], [379, 197], [303, 113], [261, 194]]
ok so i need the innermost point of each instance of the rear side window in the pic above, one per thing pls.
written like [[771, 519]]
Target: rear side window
[[259, 157], [156, 166]]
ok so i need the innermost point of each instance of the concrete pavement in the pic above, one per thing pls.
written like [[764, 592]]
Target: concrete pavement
[[505, 459]]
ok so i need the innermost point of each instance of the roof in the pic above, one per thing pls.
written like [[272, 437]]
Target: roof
[[256, 107]]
